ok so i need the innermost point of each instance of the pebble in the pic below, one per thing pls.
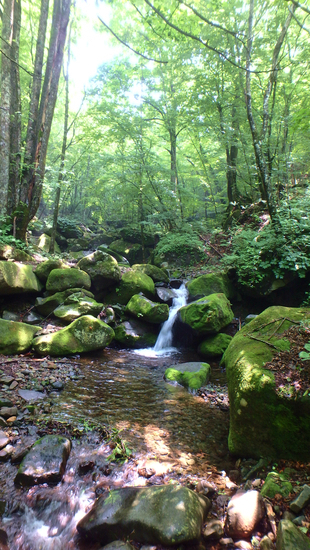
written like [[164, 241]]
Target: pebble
[[6, 453], [213, 530], [3, 439], [300, 502]]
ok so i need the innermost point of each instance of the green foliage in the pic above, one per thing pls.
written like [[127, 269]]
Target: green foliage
[[182, 244], [278, 249], [121, 452], [6, 237], [305, 355]]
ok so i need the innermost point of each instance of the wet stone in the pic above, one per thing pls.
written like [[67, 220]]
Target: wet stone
[[45, 462], [6, 453], [3, 439]]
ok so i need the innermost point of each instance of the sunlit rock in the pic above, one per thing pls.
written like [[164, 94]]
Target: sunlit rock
[[244, 512], [165, 514], [156, 273], [85, 334], [190, 375], [45, 462], [77, 305], [17, 278], [46, 306], [132, 282], [43, 270], [62, 279], [102, 268], [146, 310], [207, 315], [16, 337], [211, 283]]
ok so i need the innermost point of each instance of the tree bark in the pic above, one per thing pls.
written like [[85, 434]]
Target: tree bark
[[5, 107]]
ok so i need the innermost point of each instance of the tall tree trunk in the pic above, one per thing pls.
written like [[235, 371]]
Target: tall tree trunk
[[5, 106], [33, 178], [15, 114], [63, 153]]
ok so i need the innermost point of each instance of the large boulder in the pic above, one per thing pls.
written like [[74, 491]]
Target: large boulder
[[62, 279], [141, 307], [289, 537], [8, 252], [45, 306], [134, 334], [45, 462], [264, 422], [207, 315], [132, 282], [211, 283], [16, 337], [156, 273], [190, 375], [102, 268], [245, 510], [77, 305], [43, 270], [214, 346], [133, 252], [85, 334], [17, 278], [44, 242], [165, 515]]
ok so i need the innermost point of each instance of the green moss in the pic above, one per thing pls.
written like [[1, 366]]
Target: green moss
[[17, 278], [85, 334], [211, 283], [156, 273], [146, 310], [215, 345], [190, 375], [132, 283], [276, 483], [16, 337], [46, 306], [262, 422], [62, 279], [207, 315]]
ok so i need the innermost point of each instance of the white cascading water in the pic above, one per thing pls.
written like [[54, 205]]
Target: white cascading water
[[164, 340]]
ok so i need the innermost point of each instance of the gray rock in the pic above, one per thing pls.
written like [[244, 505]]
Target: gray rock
[[266, 544], [165, 295], [300, 502], [117, 545], [6, 453], [3, 439], [32, 318], [244, 511], [45, 462], [162, 514], [10, 316], [213, 530], [7, 412], [31, 395], [58, 385], [290, 537]]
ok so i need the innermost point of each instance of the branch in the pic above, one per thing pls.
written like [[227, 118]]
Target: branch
[[213, 24], [298, 5], [298, 22], [127, 45], [18, 65]]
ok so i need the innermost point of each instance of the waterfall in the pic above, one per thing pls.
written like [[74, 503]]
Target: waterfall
[[164, 339]]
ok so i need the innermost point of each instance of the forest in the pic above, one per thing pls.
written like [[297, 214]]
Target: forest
[[154, 274]]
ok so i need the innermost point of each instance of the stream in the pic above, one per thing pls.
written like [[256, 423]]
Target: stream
[[173, 436]]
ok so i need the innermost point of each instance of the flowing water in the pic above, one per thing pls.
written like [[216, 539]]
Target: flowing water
[[174, 433]]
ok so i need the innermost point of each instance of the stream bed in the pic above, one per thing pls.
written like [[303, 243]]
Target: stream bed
[[174, 437]]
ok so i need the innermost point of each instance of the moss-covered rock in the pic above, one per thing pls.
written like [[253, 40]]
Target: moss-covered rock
[[141, 307], [16, 337], [190, 375], [289, 537], [45, 306], [214, 346], [43, 270], [211, 283], [131, 251], [85, 334], [134, 334], [276, 483], [156, 273], [62, 279], [102, 268], [77, 305], [132, 282], [44, 242], [8, 252], [17, 278], [207, 315], [263, 423]]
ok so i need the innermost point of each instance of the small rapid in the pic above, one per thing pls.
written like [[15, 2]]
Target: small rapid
[[163, 345]]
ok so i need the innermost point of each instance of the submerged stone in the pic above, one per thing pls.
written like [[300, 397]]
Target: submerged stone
[[146, 310], [45, 462], [165, 514], [190, 375], [207, 315], [85, 334], [16, 337]]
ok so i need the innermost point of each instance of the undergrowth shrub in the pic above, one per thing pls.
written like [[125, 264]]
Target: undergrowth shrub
[[182, 246], [6, 237], [279, 249]]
